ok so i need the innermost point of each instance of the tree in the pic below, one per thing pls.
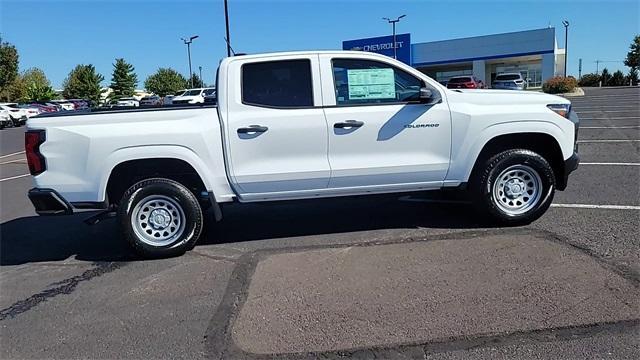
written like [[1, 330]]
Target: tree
[[165, 81], [197, 82], [605, 76], [123, 79], [632, 77], [589, 80], [37, 86], [8, 71], [633, 56], [617, 79], [83, 82]]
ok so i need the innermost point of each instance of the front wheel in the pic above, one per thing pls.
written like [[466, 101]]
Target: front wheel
[[160, 218], [516, 187]]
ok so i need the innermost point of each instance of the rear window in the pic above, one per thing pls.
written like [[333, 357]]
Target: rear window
[[459, 80], [508, 77], [209, 91], [281, 84]]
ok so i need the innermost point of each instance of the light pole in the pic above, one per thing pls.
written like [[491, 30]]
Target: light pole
[[226, 21], [566, 46], [393, 23], [188, 43], [201, 81]]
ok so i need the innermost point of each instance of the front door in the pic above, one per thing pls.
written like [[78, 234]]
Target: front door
[[380, 135], [277, 137]]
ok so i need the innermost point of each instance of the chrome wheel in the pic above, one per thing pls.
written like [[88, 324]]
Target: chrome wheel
[[158, 220], [517, 189]]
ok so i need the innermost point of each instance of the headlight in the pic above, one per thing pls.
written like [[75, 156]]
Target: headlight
[[560, 109]]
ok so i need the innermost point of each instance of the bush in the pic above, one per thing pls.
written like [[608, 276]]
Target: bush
[[559, 85], [589, 80]]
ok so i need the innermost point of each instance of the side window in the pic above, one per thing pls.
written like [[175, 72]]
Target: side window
[[372, 82], [279, 84]]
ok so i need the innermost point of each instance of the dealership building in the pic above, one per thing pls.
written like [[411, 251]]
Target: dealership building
[[533, 53]]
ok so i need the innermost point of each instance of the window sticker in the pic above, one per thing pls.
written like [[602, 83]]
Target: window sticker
[[371, 84]]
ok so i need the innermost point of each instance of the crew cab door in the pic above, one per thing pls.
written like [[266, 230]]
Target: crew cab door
[[276, 136], [380, 135]]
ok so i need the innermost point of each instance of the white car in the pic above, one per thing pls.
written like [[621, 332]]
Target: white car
[[192, 96], [168, 99], [64, 104], [127, 102], [17, 114], [153, 100], [303, 125], [5, 119]]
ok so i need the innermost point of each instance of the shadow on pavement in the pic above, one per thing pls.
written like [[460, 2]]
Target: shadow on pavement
[[38, 239]]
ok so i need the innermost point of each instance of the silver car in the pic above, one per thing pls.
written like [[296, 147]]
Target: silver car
[[509, 81]]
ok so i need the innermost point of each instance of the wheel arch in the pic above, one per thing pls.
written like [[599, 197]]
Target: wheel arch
[[541, 143]]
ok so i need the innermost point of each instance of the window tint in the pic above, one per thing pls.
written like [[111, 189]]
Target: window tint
[[372, 82], [284, 83], [209, 91], [508, 77], [459, 80]]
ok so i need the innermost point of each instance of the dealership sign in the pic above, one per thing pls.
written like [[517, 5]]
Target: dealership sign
[[383, 45]]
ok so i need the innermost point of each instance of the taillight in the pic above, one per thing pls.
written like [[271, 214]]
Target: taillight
[[32, 141], [471, 85]]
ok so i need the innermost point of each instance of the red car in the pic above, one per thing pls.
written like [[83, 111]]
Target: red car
[[465, 82]]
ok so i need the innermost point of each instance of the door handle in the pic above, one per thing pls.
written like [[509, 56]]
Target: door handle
[[252, 129], [348, 124]]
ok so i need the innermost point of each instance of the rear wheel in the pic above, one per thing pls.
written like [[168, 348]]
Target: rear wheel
[[160, 218], [516, 187]]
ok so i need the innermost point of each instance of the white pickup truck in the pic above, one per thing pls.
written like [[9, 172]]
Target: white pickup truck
[[302, 125]]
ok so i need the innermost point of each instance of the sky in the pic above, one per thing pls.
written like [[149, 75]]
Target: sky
[[56, 35]]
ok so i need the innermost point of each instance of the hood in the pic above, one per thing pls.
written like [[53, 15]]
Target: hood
[[491, 96]]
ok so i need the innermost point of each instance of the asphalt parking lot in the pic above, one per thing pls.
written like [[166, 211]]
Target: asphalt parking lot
[[408, 276]]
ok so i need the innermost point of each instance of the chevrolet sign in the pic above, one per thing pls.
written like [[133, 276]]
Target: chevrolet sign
[[383, 45]]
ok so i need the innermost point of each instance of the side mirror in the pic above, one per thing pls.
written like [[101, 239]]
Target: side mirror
[[427, 96]]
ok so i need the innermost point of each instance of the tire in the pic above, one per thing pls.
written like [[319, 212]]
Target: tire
[[160, 218], [515, 187]]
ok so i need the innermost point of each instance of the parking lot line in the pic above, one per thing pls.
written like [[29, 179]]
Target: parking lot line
[[14, 177], [12, 154], [594, 206], [610, 163], [13, 161], [610, 127], [612, 118], [607, 141]]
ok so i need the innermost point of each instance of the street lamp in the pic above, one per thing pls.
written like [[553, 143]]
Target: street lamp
[[393, 23], [188, 43], [201, 81], [566, 47]]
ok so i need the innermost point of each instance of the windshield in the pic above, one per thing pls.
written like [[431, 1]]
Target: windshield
[[192, 92], [508, 77]]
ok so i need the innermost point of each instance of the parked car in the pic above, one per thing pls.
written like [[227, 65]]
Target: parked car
[[153, 100], [286, 130], [465, 82], [44, 108], [30, 110], [210, 96], [191, 96], [64, 104], [5, 119], [168, 99], [127, 102], [18, 115], [80, 104], [509, 81]]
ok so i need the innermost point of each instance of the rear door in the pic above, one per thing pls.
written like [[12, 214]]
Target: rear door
[[380, 136], [276, 129]]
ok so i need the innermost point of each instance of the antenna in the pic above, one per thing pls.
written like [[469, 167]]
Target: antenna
[[229, 44]]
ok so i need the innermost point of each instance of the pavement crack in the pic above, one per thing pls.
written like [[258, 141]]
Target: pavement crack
[[63, 287]]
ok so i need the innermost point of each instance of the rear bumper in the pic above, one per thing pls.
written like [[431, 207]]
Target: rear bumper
[[49, 202]]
